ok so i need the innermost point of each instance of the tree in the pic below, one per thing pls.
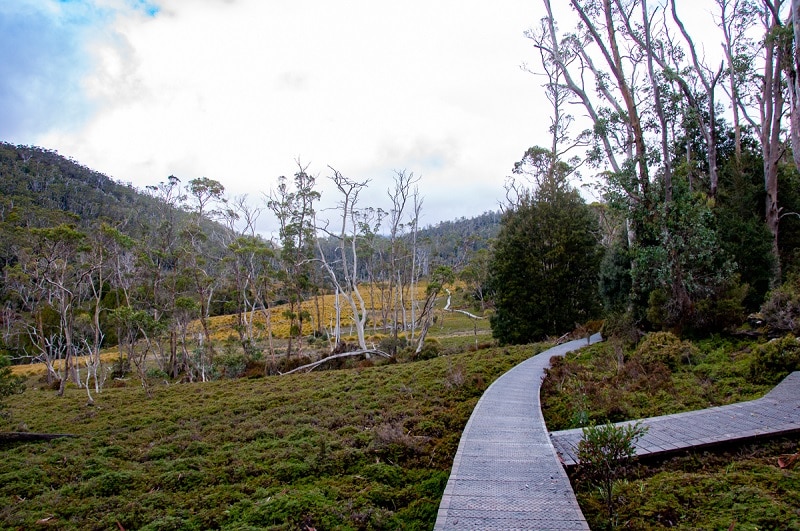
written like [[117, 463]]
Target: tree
[[545, 267], [198, 266], [48, 280], [441, 276], [249, 262], [354, 223], [400, 273], [294, 210], [475, 275], [765, 92]]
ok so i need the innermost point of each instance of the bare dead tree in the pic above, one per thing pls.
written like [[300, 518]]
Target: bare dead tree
[[350, 229]]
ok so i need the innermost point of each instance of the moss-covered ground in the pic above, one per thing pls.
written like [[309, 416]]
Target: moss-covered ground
[[363, 448]]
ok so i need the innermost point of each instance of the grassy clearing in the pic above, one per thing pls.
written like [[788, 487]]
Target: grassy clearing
[[222, 327], [365, 448], [698, 490], [452, 332]]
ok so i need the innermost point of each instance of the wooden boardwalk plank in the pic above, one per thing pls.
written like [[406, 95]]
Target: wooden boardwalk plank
[[508, 471], [776, 413], [506, 474]]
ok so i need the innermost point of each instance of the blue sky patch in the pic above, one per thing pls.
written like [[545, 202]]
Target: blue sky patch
[[40, 79]]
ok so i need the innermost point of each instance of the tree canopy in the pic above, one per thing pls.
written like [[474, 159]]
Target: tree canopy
[[545, 266]]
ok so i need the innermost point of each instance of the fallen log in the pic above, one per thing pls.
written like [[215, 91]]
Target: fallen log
[[315, 364], [465, 312], [24, 436]]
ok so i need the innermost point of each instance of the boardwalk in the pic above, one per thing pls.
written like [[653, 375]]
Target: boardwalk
[[506, 474], [777, 413]]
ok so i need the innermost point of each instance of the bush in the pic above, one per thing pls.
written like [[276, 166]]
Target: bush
[[664, 347], [605, 453], [775, 360], [724, 311], [231, 365], [782, 307], [621, 326], [9, 384], [120, 368], [392, 345], [430, 350], [156, 374]]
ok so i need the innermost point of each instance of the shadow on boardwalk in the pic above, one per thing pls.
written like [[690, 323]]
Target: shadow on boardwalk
[[507, 475]]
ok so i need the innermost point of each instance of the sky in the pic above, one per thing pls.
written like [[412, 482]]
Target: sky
[[240, 90]]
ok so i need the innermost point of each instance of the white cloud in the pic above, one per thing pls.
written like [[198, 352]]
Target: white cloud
[[236, 91]]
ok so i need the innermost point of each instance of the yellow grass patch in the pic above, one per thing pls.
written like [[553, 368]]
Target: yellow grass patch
[[223, 327]]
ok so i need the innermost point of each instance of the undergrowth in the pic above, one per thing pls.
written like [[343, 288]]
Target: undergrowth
[[365, 448], [663, 375]]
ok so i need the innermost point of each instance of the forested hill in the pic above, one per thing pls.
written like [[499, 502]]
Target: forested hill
[[454, 242], [44, 188]]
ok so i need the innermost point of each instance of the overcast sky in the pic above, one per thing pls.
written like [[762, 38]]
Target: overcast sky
[[237, 90]]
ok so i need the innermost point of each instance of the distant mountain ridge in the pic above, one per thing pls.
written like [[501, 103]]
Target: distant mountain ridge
[[47, 188]]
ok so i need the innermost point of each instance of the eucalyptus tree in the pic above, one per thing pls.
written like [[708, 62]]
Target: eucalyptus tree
[[249, 266], [159, 283], [654, 92], [403, 216], [49, 279], [199, 266], [293, 205], [347, 230]]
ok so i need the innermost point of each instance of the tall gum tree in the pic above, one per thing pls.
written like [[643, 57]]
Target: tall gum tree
[[349, 229], [293, 205]]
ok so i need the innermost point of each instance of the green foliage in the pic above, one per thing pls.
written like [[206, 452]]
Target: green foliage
[[615, 277], [781, 309], [773, 361], [678, 261], [665, 348], [231, 364], [741, 486], [741, 229], [545, 266], [430, 350], [605, 453], [698, 490], [616, 381]]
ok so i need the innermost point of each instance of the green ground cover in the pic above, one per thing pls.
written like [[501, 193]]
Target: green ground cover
[[362, 448]]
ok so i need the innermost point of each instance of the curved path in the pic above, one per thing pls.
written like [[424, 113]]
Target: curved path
[[776, 413], [506, 473]]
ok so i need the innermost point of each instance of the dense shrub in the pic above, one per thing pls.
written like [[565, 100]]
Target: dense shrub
[[9, 384], [430, 350], [773, 361], [231, 365], [663, 347], [781, 310]]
